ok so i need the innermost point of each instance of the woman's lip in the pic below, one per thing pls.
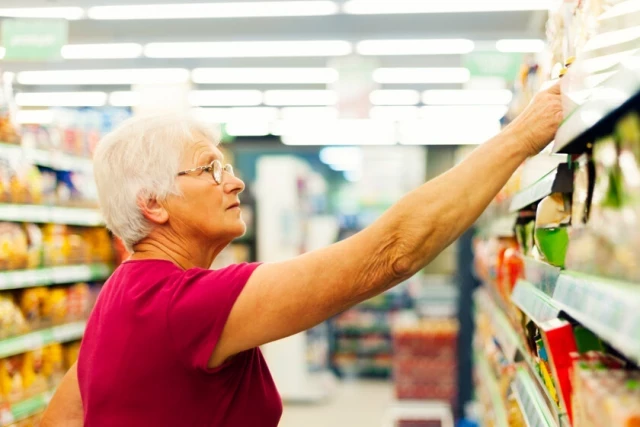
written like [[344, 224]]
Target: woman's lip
[[237, 205]]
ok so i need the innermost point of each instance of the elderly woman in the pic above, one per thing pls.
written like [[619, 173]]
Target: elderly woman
[[172, 343]]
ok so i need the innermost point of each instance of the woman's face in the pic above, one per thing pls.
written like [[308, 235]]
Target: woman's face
[[206, 210]]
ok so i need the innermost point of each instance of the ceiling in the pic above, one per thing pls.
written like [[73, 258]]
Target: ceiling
[[480, 27]]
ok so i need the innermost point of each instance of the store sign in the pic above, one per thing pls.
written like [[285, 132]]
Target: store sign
[[494, 64], [34, 39]]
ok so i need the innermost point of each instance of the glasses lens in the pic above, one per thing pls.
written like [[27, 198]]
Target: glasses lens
[[216, 170], [229, 169]]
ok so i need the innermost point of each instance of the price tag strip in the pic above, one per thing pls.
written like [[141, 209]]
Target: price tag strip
[[53, 275], [37, 339], [488, 383], [50, 214], [608, 308], [534, 303], [535, 411]]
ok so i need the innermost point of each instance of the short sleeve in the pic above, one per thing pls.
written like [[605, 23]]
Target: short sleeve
[[199, 308]]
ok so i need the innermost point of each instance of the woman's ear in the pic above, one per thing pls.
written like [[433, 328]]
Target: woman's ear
[[152, 210]]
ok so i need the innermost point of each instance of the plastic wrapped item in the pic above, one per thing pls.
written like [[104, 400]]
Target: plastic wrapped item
[[54, 307], [610, 241], [33, 378], [53, 363], [11, 384], [78, 301], [424, 360]]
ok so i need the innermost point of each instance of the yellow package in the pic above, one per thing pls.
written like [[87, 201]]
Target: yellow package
[[12, 321], [71, 352], [54, 307], [35, 246], [33, 379], [11, 379], [52, 364]]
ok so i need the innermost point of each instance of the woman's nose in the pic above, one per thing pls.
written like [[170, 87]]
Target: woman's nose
[[233, 184]]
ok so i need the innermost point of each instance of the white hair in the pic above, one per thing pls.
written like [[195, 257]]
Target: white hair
[[141, 158]]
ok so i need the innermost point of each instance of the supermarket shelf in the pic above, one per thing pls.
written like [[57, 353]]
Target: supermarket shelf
[[54, 275], [598, 116], [357, 331], [50, 214], [488, 383], [559, 180], [535, 411], [48, 158], [544, 276], [37, 339], [607, 307], [505, 335], [25, 408], [534, 303], [557, 413]]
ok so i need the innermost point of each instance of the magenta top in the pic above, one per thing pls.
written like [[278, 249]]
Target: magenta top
[[144, 355]]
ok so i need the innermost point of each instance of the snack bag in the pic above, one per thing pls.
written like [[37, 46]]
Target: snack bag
[[53, 367], [35, 245], [11, 379], [33, 379], [54, 307], [78, 300]]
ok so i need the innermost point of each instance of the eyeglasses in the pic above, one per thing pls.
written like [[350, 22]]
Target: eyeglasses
[[216, 168]]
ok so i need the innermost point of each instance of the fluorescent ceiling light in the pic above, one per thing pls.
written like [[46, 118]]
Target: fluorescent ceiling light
[[215, 10], [264, 75], [454, 132], [461, 115], [520, 45], [317, 113], [342, 158], [620, 9], [40, 117], [370, 7], [61, 99], [394, 97], [421, 75], [105, 77], [612, 38], [248, 128], [124, 99], [219, 98], [70, 13], [339, 132], [101, 51], [393, 113], [300, 97], [225, 115], [254, 49], [415, 47], [467, 97]]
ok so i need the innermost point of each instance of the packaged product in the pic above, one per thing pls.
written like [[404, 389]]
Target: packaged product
[[53, 364], [78, 301], [30, 304], [13, 246], [33, 378], [71, 352], [57, 248], [54, 308], [35, 245], [551, 235], [12, 321], [11, 378]]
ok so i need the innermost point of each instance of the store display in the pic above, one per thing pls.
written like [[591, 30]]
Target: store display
[[425, 359]]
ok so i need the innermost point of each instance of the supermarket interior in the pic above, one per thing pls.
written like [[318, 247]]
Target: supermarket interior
[[330, 112]]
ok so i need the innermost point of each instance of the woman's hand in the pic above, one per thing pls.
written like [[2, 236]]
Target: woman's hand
[[538, 123]]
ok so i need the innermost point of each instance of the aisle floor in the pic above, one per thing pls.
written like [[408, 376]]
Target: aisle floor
[[354, 404]]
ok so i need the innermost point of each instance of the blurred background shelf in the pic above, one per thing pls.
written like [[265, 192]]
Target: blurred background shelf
[[37, 339], [54, 275], [51, 215]]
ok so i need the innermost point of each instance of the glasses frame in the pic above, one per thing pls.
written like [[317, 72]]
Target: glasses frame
[[216, 168]]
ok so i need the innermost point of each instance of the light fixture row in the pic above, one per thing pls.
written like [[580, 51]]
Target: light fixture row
[[288, 48], [249, 98], [274, 9], [434, 75]]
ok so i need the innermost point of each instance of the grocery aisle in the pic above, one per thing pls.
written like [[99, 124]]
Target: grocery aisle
[[360, 403]]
